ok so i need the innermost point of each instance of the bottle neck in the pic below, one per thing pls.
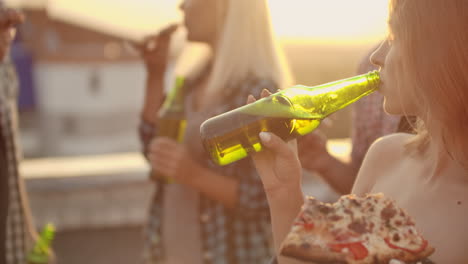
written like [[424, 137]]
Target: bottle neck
[[322, 100], [175, 97], [365, 83], [345, 92]]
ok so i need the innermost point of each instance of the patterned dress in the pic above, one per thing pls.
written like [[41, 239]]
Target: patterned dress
[[227, 236], [16, 221]]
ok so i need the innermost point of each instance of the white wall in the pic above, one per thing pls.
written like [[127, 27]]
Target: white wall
[[88, 108]]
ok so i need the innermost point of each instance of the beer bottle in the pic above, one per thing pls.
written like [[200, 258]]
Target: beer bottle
[[41, 252], [290, 113], [171, 117]]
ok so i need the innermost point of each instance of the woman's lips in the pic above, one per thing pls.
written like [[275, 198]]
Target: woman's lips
[[381, 86], [382, 82]]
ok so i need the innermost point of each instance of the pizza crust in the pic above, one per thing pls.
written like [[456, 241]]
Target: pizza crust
[[317, 254], [405, 256]]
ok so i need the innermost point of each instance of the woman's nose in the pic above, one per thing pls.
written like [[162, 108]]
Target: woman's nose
[[378, 56]]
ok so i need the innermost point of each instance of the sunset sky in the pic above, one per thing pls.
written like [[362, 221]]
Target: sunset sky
[[321, 20]]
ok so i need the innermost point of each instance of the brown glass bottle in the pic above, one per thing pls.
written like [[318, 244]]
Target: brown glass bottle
[[171, 118]]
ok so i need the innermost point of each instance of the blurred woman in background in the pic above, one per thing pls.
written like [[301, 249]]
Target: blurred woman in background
[[211, 214]]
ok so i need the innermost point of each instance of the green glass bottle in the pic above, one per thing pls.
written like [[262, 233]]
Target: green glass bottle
[[171, 117], [41, 252], [290, 113]]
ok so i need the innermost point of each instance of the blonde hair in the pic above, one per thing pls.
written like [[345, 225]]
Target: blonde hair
[[247, 46], [434, 34]]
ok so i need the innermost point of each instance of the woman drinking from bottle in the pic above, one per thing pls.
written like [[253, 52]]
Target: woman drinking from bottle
[[424, 65]]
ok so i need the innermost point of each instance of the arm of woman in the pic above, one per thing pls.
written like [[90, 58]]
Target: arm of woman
[[175, 161], [154, 52], [314, 156], [280, 171]]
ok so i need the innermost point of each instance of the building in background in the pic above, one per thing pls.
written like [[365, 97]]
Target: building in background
[[82, 83], [85, 87]]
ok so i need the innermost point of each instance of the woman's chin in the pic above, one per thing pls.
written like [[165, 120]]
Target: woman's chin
[[391, 110]]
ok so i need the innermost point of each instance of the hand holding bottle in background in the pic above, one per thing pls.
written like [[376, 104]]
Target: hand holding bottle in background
[[155, 53], [173, 161], [171, 128]]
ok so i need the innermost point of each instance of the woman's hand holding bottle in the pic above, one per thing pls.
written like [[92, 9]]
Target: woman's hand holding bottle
[[278, 165], [173, 160]]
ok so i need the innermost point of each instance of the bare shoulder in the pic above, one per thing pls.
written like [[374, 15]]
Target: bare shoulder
[[383, 154], [390, 146]]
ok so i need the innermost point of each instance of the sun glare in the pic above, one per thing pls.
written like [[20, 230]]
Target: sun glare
[[330, 20], [319, 20]]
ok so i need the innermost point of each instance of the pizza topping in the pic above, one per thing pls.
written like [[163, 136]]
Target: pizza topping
[[358, 250], [304, 222], [344, 236], [388, 212], [358, 227], [324, 209], [410, 250], [305, 245], [308, 226], [335, 218], [406, 238], [355, 202]]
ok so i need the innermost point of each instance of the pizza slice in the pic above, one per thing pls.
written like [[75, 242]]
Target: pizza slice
[[355, 230]]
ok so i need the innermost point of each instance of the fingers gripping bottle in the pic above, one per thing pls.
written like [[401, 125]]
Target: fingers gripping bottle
[[290, 113], [171, 117]]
